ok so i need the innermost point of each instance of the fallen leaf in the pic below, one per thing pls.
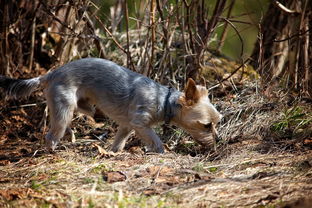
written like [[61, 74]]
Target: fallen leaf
[[14, 193], [4, 162], [136, 150], [150, 192], [103, 152], [160, 170], [114, 176], [169, 180], [202, 177]]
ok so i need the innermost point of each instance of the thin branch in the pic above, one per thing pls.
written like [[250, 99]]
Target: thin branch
[[129, 60], [97, 39], [291, 37], [47, 10], [110, 34], [237, 32], [236, 70], [32, 50], [233, 72], [153, 28], [225, 28], [162, 21], [284, 8]]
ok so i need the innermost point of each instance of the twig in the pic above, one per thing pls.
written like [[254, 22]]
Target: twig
[[237, 32], [97, 39], [33, 33], [110, 34], [129, 60], [157, 174], [165, 30], [47, 10], [99, 138], [225, 28], [291, 37], [233, 72], [152, 22], [284, 8], [27, 105]]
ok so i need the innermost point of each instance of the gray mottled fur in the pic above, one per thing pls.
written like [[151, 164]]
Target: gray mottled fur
[[134, 101]]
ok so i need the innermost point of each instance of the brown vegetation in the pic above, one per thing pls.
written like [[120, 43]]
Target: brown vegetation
[[264, 157]]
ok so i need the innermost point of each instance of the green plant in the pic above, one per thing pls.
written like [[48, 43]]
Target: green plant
[[99, 168], [293, 118], [199, 167], [35, 185]]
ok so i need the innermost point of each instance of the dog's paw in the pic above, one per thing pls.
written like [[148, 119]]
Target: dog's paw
[[51, 145], [160, 150], [116, 148], [156, 149]]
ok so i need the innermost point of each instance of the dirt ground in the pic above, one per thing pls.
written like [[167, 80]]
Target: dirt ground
[[245, 171]]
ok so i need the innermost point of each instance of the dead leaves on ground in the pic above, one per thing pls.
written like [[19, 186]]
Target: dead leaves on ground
[[114, 176], [102, 152], [15, 193]]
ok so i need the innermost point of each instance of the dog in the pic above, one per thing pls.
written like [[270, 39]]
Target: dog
[[134, 101]]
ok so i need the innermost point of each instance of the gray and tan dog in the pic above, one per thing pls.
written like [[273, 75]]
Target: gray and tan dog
[[134, 101]]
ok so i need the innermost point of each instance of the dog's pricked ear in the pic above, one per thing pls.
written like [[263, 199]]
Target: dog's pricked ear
[[191, 92]]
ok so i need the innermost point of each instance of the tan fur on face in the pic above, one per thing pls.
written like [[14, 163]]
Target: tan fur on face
[[197, 111]]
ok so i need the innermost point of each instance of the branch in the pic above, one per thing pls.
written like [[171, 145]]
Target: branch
[[290, 37], [284, 8], [47, 10], [233, 72], [237, 32], [111, 35], [129, 59]]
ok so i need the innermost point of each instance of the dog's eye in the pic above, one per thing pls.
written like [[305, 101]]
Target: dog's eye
[[208, 125], [178, 105]]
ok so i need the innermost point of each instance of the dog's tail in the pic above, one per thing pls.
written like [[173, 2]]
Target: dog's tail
[[18, 88]]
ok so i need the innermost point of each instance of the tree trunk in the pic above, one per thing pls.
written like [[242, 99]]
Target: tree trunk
[[282, 53]]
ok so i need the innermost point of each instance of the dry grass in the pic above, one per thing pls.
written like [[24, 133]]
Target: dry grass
[[72, 179], [263, 160], [251, 167]]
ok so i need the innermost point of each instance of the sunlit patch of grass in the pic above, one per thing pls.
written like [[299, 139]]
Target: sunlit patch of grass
[[91, 204], [35, 185], [212, 169], [142, 201], [88, 180], [38, 185], [100, 168], [294, 118], [199, 167]]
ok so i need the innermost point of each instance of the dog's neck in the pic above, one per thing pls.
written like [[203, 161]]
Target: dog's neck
[[170, 104], [167, 107]]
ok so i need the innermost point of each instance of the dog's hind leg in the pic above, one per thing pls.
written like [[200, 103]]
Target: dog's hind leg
[[61, 108], [121, 137]]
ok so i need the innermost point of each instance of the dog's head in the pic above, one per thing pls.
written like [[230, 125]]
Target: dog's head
[[197, 115]]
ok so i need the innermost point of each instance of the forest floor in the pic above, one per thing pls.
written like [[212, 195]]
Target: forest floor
[[249, 169]]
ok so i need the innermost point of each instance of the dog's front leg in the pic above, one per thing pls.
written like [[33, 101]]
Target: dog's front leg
[[121, 137], [141, 124], [150, 138]]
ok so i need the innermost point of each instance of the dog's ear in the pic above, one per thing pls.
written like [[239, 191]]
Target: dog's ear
[[191, 92]]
